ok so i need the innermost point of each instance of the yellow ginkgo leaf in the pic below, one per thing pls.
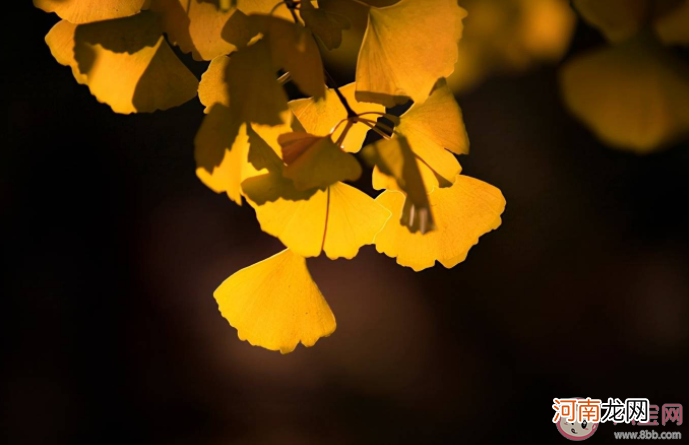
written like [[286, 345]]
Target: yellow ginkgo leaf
[[406, 49], [327, 25], [431, 129], [255, 94], [195, 26], [276, 304], [293, 49], [320, 117], [463, 212], [338, 221], [88, 11], [431, 180], [213, 87], [221, 153], [315, 161], [60, 40], [437, 122], [126, 63], [618, 20], [272, 185], [395, 159], [633, 95]]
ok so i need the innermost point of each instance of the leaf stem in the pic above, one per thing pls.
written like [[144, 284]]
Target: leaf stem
[[292, 6], [379, 125], [350, 112], [373, 127]]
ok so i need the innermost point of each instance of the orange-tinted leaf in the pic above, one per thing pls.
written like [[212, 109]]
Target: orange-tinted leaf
[[406, 49], [88, 11]]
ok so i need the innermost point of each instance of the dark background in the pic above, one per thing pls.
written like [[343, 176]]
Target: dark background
[[112, 250]]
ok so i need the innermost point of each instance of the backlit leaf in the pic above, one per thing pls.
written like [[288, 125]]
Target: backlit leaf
[[255, 94], [273, 185], [338, 221], [315, 161], [221, 153], [320, 117], [213, 88], [88, 11], [126, 63], [463, 212], [276, 304], [395, 159], [195, 26], [431, 129], [293, 49], [406, 49], [327, 25]]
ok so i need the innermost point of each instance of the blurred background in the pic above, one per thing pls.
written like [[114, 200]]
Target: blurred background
[[113, 249]]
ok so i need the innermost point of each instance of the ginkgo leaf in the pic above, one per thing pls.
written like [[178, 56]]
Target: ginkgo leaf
[[213, 88], [315, 161], [320, 117], [221, 153], [327, 25], [406, 49], [126, 63], [338, 221], [463, 212], [394, 158], [60, 40], [431, 180], [633, 95], [271, 186], [88, 11], [437, 123], [618, 20], [293, 49], [276, 304], [431, 129], [255, 94], [195, 26]]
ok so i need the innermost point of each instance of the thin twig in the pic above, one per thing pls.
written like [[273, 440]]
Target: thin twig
[[350, 112]]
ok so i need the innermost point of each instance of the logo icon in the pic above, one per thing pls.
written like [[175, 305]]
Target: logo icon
[[571, 425]]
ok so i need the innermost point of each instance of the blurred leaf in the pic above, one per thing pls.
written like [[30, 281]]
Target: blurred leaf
[[673, 26], [618, 20], [633, 96]]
